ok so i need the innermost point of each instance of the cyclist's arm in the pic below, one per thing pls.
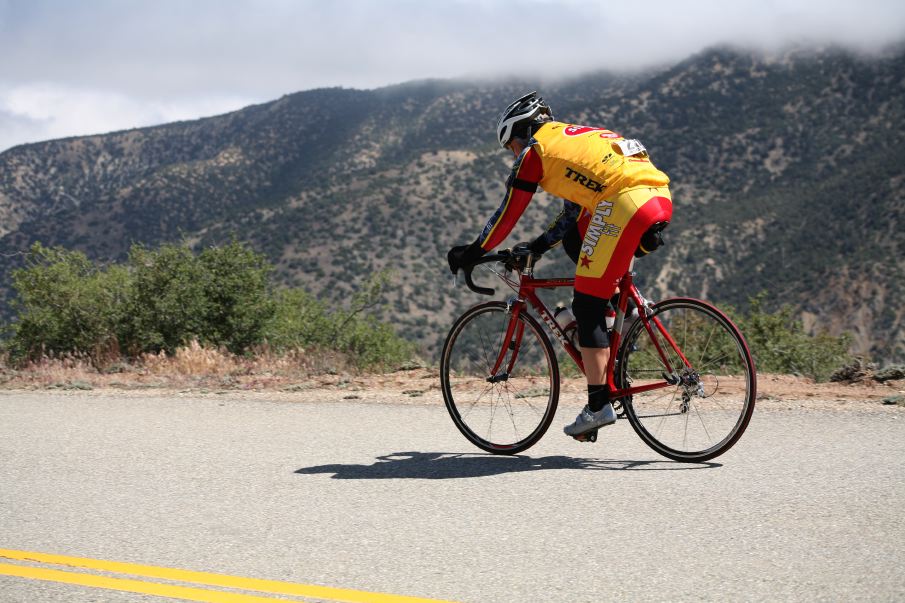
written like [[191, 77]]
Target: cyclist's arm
[[558, 228], [520, 187]]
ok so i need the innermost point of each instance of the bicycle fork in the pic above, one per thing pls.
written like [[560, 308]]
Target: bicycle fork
[[511, 343]]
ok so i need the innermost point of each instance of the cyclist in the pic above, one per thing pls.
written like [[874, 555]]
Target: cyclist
[[608, 181]]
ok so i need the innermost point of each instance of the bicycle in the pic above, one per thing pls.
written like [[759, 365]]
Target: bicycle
[[687, 389]]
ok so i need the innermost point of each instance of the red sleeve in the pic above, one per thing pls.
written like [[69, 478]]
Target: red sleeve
[[526, 173]]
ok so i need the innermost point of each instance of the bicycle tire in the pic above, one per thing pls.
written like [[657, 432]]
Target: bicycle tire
[[466, 360], [707, 411]]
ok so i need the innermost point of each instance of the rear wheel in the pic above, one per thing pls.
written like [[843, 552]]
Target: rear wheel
[[709, 403], [508, 412]]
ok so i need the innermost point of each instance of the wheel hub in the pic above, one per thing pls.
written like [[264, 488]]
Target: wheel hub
[[498, 378]]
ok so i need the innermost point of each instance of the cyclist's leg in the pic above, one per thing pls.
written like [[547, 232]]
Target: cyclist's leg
[[609, 244], [590, 313]]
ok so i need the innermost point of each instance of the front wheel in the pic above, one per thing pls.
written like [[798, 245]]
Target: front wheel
[[506, 412], [712, 381]]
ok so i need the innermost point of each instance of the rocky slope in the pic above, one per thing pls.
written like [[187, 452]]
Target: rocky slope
[[787, 171]]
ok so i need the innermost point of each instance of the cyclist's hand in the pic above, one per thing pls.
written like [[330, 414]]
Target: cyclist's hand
[[463, 255], [537, 247], [521, 249]]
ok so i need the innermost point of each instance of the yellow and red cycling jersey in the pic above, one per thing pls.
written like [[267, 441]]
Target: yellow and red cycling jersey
[[587, 165], [582, 164]]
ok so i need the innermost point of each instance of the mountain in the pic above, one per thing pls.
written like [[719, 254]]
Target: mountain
[[788, 173]]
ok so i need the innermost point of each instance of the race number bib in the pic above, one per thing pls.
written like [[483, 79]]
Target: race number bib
[[630, 147]]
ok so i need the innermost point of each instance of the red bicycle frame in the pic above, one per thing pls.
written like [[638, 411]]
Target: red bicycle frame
[[528, 286]]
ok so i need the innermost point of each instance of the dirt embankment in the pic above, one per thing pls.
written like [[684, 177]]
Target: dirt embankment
[[417, 385]]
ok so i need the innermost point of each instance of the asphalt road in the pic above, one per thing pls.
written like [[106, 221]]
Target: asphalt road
[[390, 498]]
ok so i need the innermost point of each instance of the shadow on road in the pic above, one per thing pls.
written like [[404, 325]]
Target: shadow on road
[[447, 465]]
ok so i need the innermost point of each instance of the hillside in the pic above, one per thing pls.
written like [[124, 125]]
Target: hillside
[[788, 176]]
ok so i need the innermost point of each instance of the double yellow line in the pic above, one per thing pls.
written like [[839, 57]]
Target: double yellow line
[[177, 575]]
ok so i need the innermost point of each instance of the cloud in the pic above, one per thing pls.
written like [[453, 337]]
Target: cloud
[[44, 111], [150, 60], [277, 46]]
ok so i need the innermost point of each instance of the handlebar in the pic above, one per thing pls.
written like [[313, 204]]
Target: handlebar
[[467, 270], [517, 260]]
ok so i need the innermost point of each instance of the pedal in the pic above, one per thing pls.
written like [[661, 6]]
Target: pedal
[[588, 436]]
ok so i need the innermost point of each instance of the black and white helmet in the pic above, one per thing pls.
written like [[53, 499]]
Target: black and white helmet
[[526, 111]]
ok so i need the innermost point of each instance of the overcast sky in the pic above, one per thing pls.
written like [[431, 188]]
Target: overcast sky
[[91, 66]]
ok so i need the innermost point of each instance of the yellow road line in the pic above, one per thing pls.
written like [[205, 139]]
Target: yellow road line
[[208, 579], [132, 586]]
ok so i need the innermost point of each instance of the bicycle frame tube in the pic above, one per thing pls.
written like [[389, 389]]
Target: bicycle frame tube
[[628, 290], [527, 293], [672, 342], [639, 301]]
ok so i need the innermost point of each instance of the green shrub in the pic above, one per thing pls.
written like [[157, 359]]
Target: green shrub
[[890, 373], [301, 321], [239, 302], [162, 299], [219, 297], [66, 304], [780, 344], [167, 305]]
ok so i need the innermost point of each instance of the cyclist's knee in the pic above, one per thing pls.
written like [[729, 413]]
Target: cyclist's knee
[[590, 313], [651, 240]]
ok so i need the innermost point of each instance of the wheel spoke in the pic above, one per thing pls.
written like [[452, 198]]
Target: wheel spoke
[[685, 433], [511, 414], [484, 348], [492, 413], [707, 345], [666, 412], [524, 397], [701, 367], [697, 412], [478, 399]]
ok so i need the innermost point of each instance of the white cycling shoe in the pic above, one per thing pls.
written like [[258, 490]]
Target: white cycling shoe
[[588, 420]]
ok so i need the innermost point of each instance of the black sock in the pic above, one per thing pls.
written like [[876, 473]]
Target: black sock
[[598, 396]]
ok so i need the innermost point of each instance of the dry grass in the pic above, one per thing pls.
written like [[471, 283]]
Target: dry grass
[[196, 368], [193, 366]]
